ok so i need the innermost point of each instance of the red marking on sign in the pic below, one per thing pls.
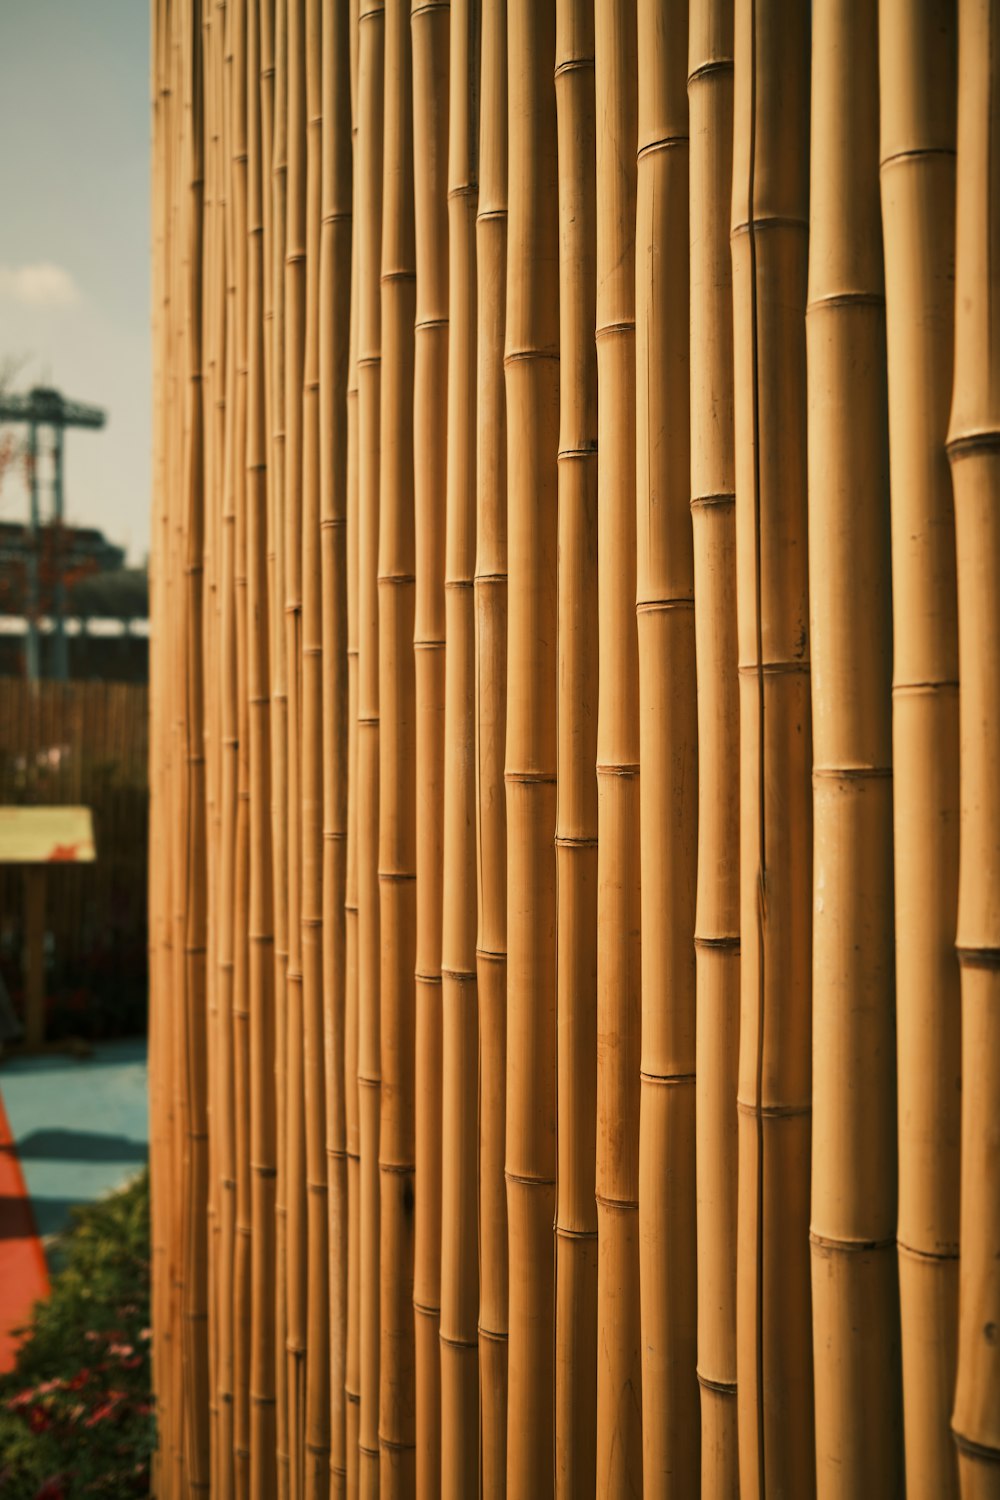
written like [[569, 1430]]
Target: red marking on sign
[[64, 854]]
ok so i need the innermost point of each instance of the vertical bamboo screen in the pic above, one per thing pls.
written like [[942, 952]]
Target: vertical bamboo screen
[[575, 748]]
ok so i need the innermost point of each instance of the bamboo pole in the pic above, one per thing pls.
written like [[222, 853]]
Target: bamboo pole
[[221, 654], [490, 595], [917, 111], [263, 1164], [769, 245], [853, 1230], [619, 1375], [335, 275], [668, 750], [237, 15], [576, 803], [397, 780], [279, 710], [531, 361], [430, 29], [371, 45], [219, 824], [316, 1396], [190, 889], [973, 434], [178, 756], [352, 1372], [717, 925], [459, 1000], [296, 319], [160, 770]]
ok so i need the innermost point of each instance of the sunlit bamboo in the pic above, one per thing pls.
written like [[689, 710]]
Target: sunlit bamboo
[[854, 1278], [368, 167], [334, 317], [260, 898], [397, 774], [668, 796], [576, 803], [430, 28], [532, 383], [490, 592], [619, 1373], [459, 1001], [717, 926], [275, 348], [295, 319], [769, 248], [974, 452], [917, 114], [316, 983], [352, 1358]]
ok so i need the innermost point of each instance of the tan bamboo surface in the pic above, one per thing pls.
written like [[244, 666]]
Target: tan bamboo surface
[[162, 1200], [334, 317], [973, 444], [275, 347], [459, 999], [853, 1226], [717, 918], [576, 803], [668, 752], [918, 114], [263, 1164], [619, 1372], [222, 714], [531, 360], [368, 166], [241, 956], [352, 1372], [216, 389], [428, 1218], [236, 15], [397, 773], [316, 983], [295, 318], [430, 24], [190, 893], [490, 594], [769, 249]]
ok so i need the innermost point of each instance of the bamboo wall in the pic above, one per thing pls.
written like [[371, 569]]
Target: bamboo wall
[[82, 743], [575, 842]]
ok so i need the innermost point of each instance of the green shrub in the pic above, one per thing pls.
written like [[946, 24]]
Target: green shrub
[[76, 1415]]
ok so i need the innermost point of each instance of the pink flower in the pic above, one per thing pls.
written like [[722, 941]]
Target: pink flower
[[102, 1412]]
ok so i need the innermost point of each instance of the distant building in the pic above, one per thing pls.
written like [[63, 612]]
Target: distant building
[[107, 604]]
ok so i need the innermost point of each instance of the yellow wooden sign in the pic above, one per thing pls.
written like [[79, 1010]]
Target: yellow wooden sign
[[46, 835]]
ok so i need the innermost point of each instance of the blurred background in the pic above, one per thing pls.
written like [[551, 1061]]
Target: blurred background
[[75, 465], [74, 489]]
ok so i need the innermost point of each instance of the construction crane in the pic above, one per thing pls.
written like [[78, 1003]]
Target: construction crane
[[44, 407]]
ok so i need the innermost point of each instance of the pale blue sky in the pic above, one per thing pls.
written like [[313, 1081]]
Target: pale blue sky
[[74, 241]]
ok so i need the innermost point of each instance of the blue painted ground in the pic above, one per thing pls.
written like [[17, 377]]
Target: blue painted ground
[[80, 1128]]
